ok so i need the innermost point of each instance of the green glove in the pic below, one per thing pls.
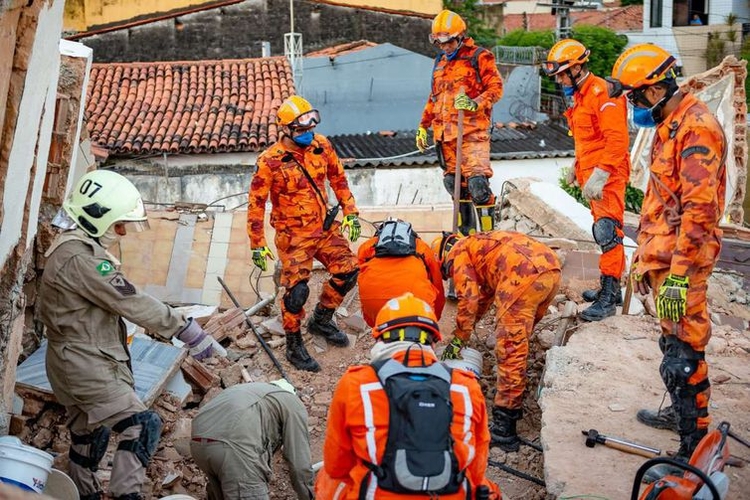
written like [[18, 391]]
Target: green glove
[[351, 222], [259, 257], [453, 350], [421, 139], [671, 303], [462, 101]]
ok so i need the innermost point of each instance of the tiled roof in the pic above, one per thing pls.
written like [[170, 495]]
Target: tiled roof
[[188, 106], [509, 141], [340, 50], [628, 18]]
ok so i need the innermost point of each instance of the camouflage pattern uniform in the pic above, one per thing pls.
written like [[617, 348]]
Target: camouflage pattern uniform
[[679, 234], [297, 214], [521, 277]]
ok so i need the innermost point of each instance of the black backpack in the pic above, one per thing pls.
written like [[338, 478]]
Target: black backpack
[[396, 238], [419, 457]]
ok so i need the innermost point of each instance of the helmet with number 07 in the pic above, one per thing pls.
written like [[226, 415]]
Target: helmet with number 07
[[101, 198]]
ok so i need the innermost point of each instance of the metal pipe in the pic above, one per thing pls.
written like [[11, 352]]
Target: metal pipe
[[260, 305]]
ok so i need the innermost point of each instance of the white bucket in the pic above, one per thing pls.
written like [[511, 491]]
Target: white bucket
[[23, 466], [470, 359]]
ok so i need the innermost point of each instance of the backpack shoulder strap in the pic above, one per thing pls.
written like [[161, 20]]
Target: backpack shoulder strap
[[475, 62], [391, 367]]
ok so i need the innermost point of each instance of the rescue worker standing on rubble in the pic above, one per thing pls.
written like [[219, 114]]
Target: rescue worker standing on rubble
[[82, 300], [294, 171], [464, 77], [599, 125], [235, 436], [679, 238], [395, 261], [447, 437], [520, 276]]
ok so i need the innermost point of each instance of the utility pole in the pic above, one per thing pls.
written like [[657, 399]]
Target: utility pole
[[293, 50], [561, 10]]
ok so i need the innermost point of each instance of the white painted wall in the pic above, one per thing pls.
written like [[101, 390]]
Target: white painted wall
[[33, 131]]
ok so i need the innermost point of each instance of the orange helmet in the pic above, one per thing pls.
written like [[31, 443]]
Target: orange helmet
[[407, 318], [441, 246], [446, 26], [563, 55], [297, 112], [640, 66]]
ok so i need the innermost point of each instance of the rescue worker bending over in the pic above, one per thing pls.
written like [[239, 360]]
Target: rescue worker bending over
[[294, 172], [82, 300], [462, 65], [236, 434], [407, 405], [521, 277], [599, 124], [679, 238], [395, 261]]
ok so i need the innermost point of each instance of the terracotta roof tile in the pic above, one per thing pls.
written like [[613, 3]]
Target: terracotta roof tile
[[628, 18], [340, 50], [187, 106]]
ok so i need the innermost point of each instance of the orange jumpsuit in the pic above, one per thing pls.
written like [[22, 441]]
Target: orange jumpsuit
[[358, 430], [383, 278], [600, 130], [521, 276], [687, 158], [297, 215], [484, 85]]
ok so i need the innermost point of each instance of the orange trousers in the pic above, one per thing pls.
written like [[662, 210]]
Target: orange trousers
[[475, 156], [612, 205], [513, 329]]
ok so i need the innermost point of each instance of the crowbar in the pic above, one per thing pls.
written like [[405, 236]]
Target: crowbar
[[457, 183], [257, 334]]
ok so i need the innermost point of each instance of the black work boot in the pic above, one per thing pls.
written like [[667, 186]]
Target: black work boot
[[604, 306], [664, 418], [688, 443], [298, 355], [322, 324], [93, 496], [592, 294], [131, 496], [466, 223], [503, 428]]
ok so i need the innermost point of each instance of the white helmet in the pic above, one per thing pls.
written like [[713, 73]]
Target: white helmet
[[102, 198]]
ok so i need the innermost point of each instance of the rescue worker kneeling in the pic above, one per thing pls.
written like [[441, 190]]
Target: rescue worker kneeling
[[395, 261], [236, 434], [406, 426], [521, 277]]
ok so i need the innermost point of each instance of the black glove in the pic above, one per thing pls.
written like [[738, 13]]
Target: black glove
[[482, 493]]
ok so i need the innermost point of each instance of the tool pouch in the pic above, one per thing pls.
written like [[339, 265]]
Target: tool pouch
[[330, 217]]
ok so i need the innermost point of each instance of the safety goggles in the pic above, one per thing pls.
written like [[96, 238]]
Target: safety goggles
[[306, 120], [440, 38], [551, 68], [635, 96]]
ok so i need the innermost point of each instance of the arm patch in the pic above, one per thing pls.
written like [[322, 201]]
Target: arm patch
[[693, 150], [122, 285]]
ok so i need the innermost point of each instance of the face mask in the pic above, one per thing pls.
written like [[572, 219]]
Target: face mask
[[304, 139], [643, 117], [568, 90], [452, 55], [109, 238]]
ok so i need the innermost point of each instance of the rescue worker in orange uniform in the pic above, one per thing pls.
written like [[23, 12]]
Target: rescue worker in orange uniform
[[599, 125], [520, 276], [679, 238], [395, 261], [362, 419], [293, 171], [462, 65]]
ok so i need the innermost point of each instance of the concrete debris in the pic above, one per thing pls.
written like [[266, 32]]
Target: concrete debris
[[273, 326]]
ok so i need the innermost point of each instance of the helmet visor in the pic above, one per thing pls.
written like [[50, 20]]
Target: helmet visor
[[438, 38], [137, 226], [306, 120]]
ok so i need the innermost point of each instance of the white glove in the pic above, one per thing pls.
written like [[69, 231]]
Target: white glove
[[201, 344], [593, 188]]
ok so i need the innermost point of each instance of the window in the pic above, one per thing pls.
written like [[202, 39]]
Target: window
[[655, 13]]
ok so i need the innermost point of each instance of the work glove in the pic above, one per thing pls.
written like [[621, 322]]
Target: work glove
[[453, 350], [351, 222], [259, 257], [593, 188], [640, 283], [570, 177], [421, 139], [671, 303], [482, 492], [462, 101], [201, 344]]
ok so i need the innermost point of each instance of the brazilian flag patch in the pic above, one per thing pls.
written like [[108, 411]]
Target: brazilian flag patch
[[105, 268]]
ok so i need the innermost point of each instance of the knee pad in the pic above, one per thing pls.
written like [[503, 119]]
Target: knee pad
[[97, 441], [605, 233], [295, 297], [344, 282], [679, 363], [479, 189], [145, 445], [449, 181]]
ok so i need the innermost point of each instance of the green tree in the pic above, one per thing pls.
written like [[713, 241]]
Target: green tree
[[745, 54], [476, 27], [605, 46], [623, 3], [521, 38]]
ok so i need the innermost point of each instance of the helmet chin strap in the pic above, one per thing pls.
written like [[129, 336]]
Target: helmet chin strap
[[657, 111], [576, 81]]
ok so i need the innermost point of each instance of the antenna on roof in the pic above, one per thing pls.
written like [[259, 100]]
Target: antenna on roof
[[293, 50]]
